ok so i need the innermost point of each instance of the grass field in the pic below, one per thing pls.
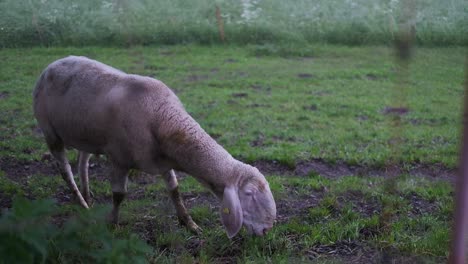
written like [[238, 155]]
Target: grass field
[[317, 120], [143, 22]]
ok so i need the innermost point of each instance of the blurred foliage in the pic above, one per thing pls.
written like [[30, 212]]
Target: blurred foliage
[[124, 22], [27, 235]]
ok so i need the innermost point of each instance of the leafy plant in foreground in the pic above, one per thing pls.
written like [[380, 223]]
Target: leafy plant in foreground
[[27, 236]]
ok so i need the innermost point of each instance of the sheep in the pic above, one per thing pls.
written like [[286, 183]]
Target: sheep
[[139, 123]]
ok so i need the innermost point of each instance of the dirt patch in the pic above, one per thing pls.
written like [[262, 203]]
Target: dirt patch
[[4, 95], [305, 75], [399, 111], [421, 206], [373, 77], [259, 142], [64, 196], [17, 170], [296, 205], [273, 168], [436, 171], [154, 67], [240, 95], [360, 204], [340, 248], [310, 107], [20, 170], [192, 199], [351, 251], [322, 168], [255, 105], [341, 169]]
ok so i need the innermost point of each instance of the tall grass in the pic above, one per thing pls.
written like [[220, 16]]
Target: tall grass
[[125, 22]]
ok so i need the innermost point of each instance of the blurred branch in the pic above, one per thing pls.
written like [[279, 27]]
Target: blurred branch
[[404, 42]]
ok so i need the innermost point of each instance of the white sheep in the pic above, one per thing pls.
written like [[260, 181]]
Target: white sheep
[[139, 123]]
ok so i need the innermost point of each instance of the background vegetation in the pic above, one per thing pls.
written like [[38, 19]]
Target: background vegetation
[[125, 22]]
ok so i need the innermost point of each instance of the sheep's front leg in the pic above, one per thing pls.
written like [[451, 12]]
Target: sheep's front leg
[[119, 180], [83, 164], [182, 214]]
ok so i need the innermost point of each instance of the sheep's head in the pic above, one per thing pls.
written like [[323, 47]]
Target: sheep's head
[[250, 204]]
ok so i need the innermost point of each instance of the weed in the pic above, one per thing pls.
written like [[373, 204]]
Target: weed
[[27, 236]]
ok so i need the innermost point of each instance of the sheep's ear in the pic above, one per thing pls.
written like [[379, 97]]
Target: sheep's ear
[[231, 211]]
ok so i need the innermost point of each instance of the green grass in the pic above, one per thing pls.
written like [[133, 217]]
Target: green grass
[[259, 107], [268, 103], [52, 22]]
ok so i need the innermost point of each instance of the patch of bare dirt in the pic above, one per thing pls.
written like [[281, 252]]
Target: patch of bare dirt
[[259, 141], [395, 110], [421, 206], [240, 95], [4, 95], [273, 167], [360, 203], [341, 248], [322, 168], [20, 170], [201, 198], [351, 251], [154, 67], [310, 107], [341, 169], [296, 205], [374, 77], [305, 75]]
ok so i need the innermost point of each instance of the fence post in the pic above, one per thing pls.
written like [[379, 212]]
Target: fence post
[[460, 228], [219, 20]]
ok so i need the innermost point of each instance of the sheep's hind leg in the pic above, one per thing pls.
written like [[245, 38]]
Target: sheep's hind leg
[[182, 214], [58, 151], [83, 164], [119, 180]]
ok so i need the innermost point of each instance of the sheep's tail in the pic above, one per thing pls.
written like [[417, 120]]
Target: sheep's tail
[[38, 87], [68, 177], [78, 194]]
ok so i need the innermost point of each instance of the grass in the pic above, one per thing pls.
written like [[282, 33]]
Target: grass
[[143, 22], [329, 103], [275, 108]]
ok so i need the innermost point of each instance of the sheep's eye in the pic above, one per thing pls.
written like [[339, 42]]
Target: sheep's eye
[[248, 192]]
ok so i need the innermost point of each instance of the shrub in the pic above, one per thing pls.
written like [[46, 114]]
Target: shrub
[[27, 235]]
